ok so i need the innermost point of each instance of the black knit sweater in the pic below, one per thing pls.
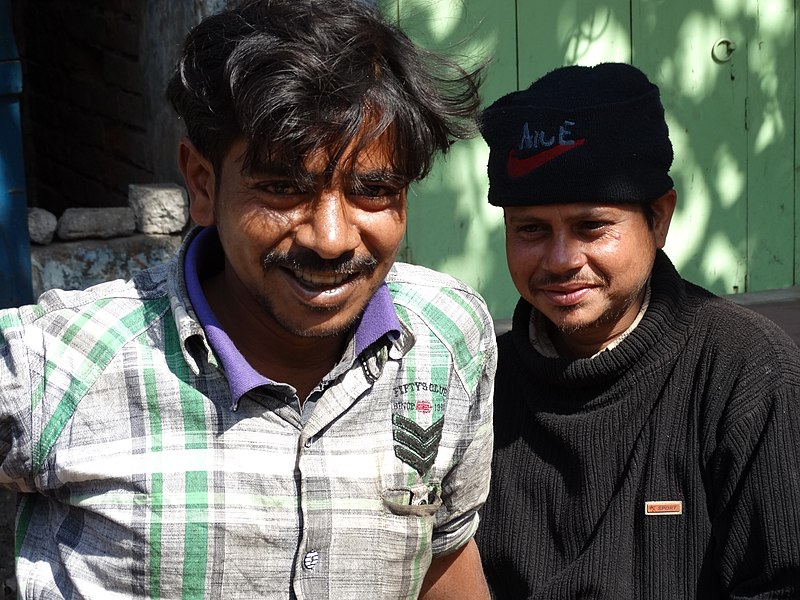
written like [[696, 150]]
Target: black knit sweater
[[699, 404]]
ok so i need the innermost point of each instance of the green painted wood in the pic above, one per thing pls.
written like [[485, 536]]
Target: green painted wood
[[705, 105], [451, 227], [571, 32], [797, 147], [771, 214], [732, 124]]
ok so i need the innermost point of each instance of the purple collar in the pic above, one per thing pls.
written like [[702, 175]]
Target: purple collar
[[379, 317]]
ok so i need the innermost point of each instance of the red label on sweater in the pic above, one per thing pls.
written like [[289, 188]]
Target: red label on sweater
[[663, 507]]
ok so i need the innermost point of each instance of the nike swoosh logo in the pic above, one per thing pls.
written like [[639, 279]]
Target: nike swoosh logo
[[519, 167]]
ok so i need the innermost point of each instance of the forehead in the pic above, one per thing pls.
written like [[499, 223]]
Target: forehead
[[356, 156], [571, 211]]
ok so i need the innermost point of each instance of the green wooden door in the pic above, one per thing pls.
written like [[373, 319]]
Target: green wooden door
[[732, 121], [451, 227], [727, 75]]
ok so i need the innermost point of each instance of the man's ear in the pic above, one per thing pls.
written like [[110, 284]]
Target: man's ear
[[198, 173], [663, 208]]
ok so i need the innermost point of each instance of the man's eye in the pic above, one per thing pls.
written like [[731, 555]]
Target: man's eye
[[281, 188], [592, 225], [375, 191]]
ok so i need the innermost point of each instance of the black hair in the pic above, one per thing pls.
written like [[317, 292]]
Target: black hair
[[294, 76]]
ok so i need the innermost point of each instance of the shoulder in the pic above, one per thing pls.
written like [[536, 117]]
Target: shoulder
[[730, 328], [444, 314], [115, 310], [744, 357], [439, 301]]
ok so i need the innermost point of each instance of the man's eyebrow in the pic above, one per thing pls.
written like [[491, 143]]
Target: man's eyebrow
[[591, 212], [366, 177], [381, 176], [514, 220]]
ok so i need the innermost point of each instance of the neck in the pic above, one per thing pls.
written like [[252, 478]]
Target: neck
[[572, 346], [268, 347]]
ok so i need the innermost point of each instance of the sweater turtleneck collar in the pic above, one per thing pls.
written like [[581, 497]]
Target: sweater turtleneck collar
[[663, 324]]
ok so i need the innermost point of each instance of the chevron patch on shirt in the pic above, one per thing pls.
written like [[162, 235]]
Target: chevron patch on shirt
[[415, 445]]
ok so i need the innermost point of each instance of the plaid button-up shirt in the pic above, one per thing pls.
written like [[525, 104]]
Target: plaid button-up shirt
[[139, 481]]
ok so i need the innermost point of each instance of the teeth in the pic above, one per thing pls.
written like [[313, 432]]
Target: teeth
[[319, 279]]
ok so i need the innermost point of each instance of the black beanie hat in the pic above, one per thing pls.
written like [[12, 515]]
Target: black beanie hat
[[579, 134]]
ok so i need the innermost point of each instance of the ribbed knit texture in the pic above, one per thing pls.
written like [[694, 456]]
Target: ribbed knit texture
[[701, 403]]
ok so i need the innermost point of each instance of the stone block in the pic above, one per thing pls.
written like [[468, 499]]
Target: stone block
[[159, 207], [102, 223], [78, 265], [41, 225]]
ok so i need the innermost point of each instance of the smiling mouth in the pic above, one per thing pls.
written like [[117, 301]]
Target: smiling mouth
[[567, 296], [318, 280]]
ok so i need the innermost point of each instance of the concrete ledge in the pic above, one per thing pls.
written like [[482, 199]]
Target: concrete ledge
[[78, 265], [501, 326], [791, 294]]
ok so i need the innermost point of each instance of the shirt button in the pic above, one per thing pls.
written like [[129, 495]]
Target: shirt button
[[310, 560]]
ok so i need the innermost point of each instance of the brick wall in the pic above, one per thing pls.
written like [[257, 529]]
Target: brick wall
[[84, 104], [94, 116]]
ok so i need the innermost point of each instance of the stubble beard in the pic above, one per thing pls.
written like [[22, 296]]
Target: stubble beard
[[611, 315], [317, 332], [276, 260]]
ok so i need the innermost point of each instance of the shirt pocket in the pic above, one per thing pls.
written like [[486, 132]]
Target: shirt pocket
[[422, 500]]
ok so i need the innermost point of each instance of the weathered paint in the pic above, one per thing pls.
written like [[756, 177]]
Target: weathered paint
[[733, 125]]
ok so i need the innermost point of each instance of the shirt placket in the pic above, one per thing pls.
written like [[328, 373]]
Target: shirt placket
[[313, 561]]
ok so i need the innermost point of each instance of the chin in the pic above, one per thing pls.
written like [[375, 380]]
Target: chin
[[573, 320], [337, 324]]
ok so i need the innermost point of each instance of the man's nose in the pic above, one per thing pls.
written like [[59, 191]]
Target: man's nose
[[565, 254], [328, 228]]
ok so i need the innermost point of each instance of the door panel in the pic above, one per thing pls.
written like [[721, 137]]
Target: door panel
[[571, 32], [451, 227], [732, 121], [726, 72], [771, 89], [796, 147], [705, 106]]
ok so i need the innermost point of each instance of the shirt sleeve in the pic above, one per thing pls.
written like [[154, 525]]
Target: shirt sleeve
[[15, 405], [754, 476], [466, 486]]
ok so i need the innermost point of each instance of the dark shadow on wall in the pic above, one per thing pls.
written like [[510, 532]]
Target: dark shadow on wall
[[94, 114]]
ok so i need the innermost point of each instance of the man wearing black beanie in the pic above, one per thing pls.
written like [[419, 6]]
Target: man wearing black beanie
[[647, 432]]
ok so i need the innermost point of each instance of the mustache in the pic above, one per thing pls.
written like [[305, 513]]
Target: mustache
[[549, 279], [299, 260]]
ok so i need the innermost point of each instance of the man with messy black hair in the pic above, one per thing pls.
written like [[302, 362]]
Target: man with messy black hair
[[283, 411], [293, 78]]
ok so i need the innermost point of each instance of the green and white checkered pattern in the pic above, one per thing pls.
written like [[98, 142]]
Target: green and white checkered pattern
[[139, 481]]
